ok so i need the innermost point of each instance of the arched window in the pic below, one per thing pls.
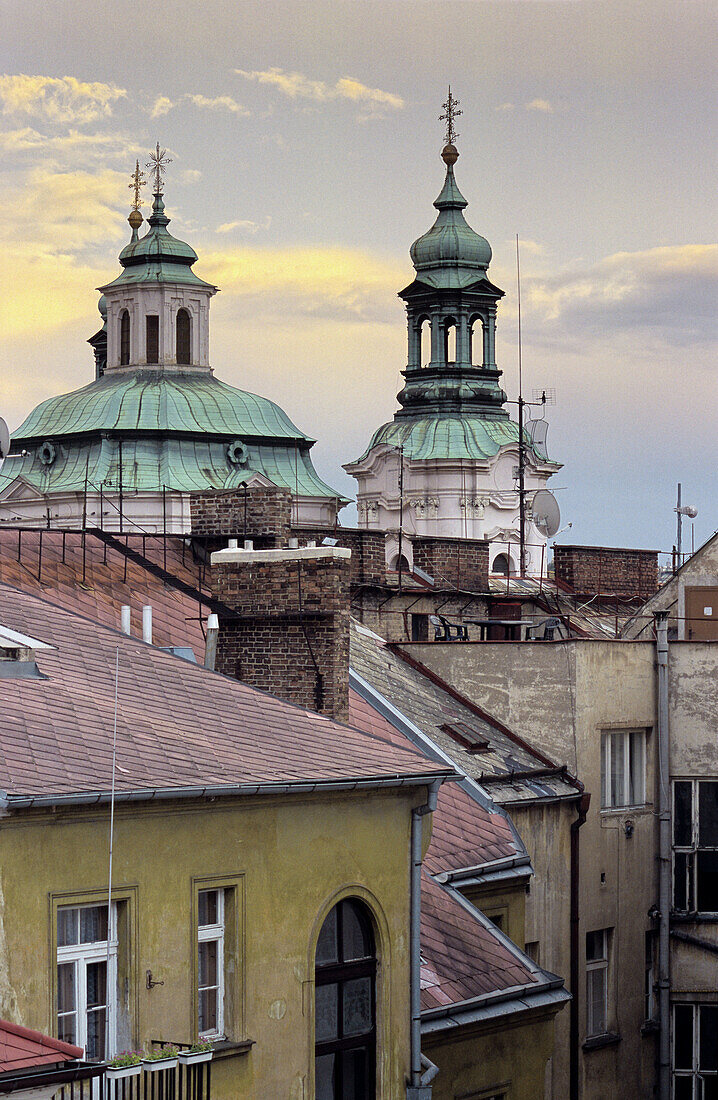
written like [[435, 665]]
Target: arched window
[[450, 341], [184, 336], [345, 1005], [124, 338], [405, 567], [476, 341], [424, 342], [503, 565]]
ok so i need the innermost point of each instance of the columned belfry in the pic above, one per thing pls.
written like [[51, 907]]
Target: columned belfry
[[452, 435]]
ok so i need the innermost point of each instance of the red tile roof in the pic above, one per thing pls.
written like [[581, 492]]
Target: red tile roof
[[96, 580], [179, 725], [21, 1048]]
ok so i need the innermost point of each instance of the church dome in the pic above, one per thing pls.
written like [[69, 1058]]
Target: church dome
[[451, 242]]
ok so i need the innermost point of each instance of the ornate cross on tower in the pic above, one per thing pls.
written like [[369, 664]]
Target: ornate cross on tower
[[451, 111], [157, 162], [138, 181]]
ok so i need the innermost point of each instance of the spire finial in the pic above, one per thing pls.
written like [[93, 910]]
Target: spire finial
[[138, 181], [157, 163], [452, 109]]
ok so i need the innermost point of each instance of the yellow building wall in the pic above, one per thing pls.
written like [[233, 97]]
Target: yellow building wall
[[288, 862]]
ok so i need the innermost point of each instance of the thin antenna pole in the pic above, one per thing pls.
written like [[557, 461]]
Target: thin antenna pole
[[401, 510], [109, 876], [522, 456]]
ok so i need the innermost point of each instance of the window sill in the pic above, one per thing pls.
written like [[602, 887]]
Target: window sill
[[680, 916], [638, 811], [597, 1042], [228, 1049]]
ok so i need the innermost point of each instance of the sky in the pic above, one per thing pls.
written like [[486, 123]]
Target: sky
[[305, 143]]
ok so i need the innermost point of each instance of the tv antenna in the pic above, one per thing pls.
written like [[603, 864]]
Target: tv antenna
[[682, 510]]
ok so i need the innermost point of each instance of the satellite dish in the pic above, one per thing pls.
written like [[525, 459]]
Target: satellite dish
[[538, 430], [546, 513], [4, 439]]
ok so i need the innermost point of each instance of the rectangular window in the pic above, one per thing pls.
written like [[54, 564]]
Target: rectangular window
[[695, 1051], [623, 769], [597, 944], [695, 846], [153, 338], [648, 991], [86, 943], [210, 962]]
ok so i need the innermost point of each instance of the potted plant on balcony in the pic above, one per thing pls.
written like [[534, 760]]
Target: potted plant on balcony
[[164, 1057], [127, 1063], [201, 1051]]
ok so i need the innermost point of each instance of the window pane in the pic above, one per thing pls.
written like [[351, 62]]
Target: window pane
[[93, 924], [605, 745], [96, 1034], [707, 882], [67, 927], [596, 1001], [324, 1076], [618, 769], [636, 793], [208, 907], [680, 897], [66, 989], [67, 1028], [683, 1036], [207, 952], [683, 1088], [354, 1075], [96, 984], [327, 943], [153, 338], [708, 1054], [595, 945], [357, 1006], [356, 941], [327, 1001], [710, 1088], [708, 815], [207, 1010], [682, 831]]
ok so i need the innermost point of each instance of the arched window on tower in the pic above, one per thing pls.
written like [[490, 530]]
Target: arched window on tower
[[424, 342], [503, 565], [345, 1005], [184, 336], [124, 338], [476, 341], [450, 341]]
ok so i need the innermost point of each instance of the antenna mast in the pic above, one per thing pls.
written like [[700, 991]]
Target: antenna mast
[[108, 1032], [522, 454]]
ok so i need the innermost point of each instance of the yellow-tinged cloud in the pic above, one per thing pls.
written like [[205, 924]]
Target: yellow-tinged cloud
[[540, 105], [163, 104], [61, 212], [298, 86], [57, 99]]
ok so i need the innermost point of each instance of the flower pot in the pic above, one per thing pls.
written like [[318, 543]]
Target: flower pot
[[156, 1064], [188, 1058], [116, 1073]]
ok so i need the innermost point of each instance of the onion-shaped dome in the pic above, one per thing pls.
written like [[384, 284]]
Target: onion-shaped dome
[[451, 242], [158, 256]]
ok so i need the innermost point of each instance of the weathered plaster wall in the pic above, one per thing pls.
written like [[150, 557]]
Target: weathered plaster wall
[[296, 858]]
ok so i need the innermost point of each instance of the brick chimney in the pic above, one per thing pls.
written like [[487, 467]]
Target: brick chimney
[[289, 631], [608, 570]]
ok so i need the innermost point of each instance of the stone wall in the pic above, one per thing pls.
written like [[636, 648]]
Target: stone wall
[[607, 569], [222, 513], [454, 563], [274, 641], [368, 563]]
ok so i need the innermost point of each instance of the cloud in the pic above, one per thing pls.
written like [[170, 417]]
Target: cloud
[[218, 103], [245, 225], [161, 106], [298, 86], [190, 175], [666, 294], [63, 149], [540, 105], [57, 99], [506, 107]]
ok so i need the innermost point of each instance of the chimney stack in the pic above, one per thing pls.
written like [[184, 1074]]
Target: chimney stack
[[289, 632]]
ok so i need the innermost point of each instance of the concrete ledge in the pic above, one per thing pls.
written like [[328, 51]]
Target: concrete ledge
[[304, 553]]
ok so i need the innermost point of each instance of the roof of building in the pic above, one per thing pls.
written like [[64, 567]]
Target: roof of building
[[21, 1048], [180, 727]]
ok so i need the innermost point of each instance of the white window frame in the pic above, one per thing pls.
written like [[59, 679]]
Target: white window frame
[[691, 850], [207, 933], [598, 966], [629, 788], [80, 955], [694, 1074]]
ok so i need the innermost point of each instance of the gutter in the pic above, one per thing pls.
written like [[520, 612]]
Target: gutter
[[419, 1087], [521, 999], [575, 964], [509, 867], [9, 802], [664, 859]]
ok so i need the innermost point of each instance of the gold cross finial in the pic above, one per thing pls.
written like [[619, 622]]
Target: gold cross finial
[[157, 162], [451, 110], [138, 181]]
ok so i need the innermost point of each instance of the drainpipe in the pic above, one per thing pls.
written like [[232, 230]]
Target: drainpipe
[[664, 861], [420, 1086], [583, 805]]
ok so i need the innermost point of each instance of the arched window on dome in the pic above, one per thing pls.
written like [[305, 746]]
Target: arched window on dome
[[450, 341], [345, 1005], [476, 341], [183, 336], [124, 338], [424, 342]]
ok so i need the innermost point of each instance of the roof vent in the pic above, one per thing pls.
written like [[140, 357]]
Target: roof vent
[[17, 655], [473, 739]]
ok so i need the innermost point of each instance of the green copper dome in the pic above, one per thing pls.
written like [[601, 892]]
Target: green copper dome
[[158, 256], [451, 247], [447, 437]]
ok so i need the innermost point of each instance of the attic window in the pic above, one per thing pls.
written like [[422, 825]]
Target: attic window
[[473, 740], [183, 336], [153, 338]]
